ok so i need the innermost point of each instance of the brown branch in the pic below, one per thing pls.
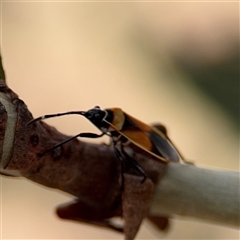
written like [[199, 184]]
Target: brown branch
[[90, 172]]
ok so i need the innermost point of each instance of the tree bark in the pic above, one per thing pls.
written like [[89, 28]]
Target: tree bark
[[92, 173]]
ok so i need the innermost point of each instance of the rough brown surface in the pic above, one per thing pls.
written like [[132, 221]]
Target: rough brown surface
[[90, 172]]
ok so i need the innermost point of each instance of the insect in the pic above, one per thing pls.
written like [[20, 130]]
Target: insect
[[126, 131]]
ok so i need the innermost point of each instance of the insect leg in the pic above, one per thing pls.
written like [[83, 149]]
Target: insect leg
[[86, 135], [119, 156], [133, 162]]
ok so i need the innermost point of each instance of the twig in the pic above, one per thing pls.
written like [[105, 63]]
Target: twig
[[205, 194], [91, 173]]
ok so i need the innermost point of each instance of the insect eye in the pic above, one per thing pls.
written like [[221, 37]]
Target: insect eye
[[97, 107], [97, 115]]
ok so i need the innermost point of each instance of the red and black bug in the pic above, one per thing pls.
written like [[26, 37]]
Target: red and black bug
[[126, 131]]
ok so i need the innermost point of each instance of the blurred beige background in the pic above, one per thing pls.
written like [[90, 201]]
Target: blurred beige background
[[61, 56]]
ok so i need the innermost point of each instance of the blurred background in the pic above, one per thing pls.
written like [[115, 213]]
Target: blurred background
[[171, 62]]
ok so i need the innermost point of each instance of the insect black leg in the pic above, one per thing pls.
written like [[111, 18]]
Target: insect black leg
[[85, 135], [119, 156], [132, 161]]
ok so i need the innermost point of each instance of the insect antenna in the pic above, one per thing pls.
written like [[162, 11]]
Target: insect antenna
[[55, 115]]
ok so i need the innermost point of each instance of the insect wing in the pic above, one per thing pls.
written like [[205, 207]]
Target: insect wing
[[164, 146], [138, 138], [157, 138], [137, 133]]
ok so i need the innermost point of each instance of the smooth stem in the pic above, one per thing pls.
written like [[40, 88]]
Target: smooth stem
[[205, 194]]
